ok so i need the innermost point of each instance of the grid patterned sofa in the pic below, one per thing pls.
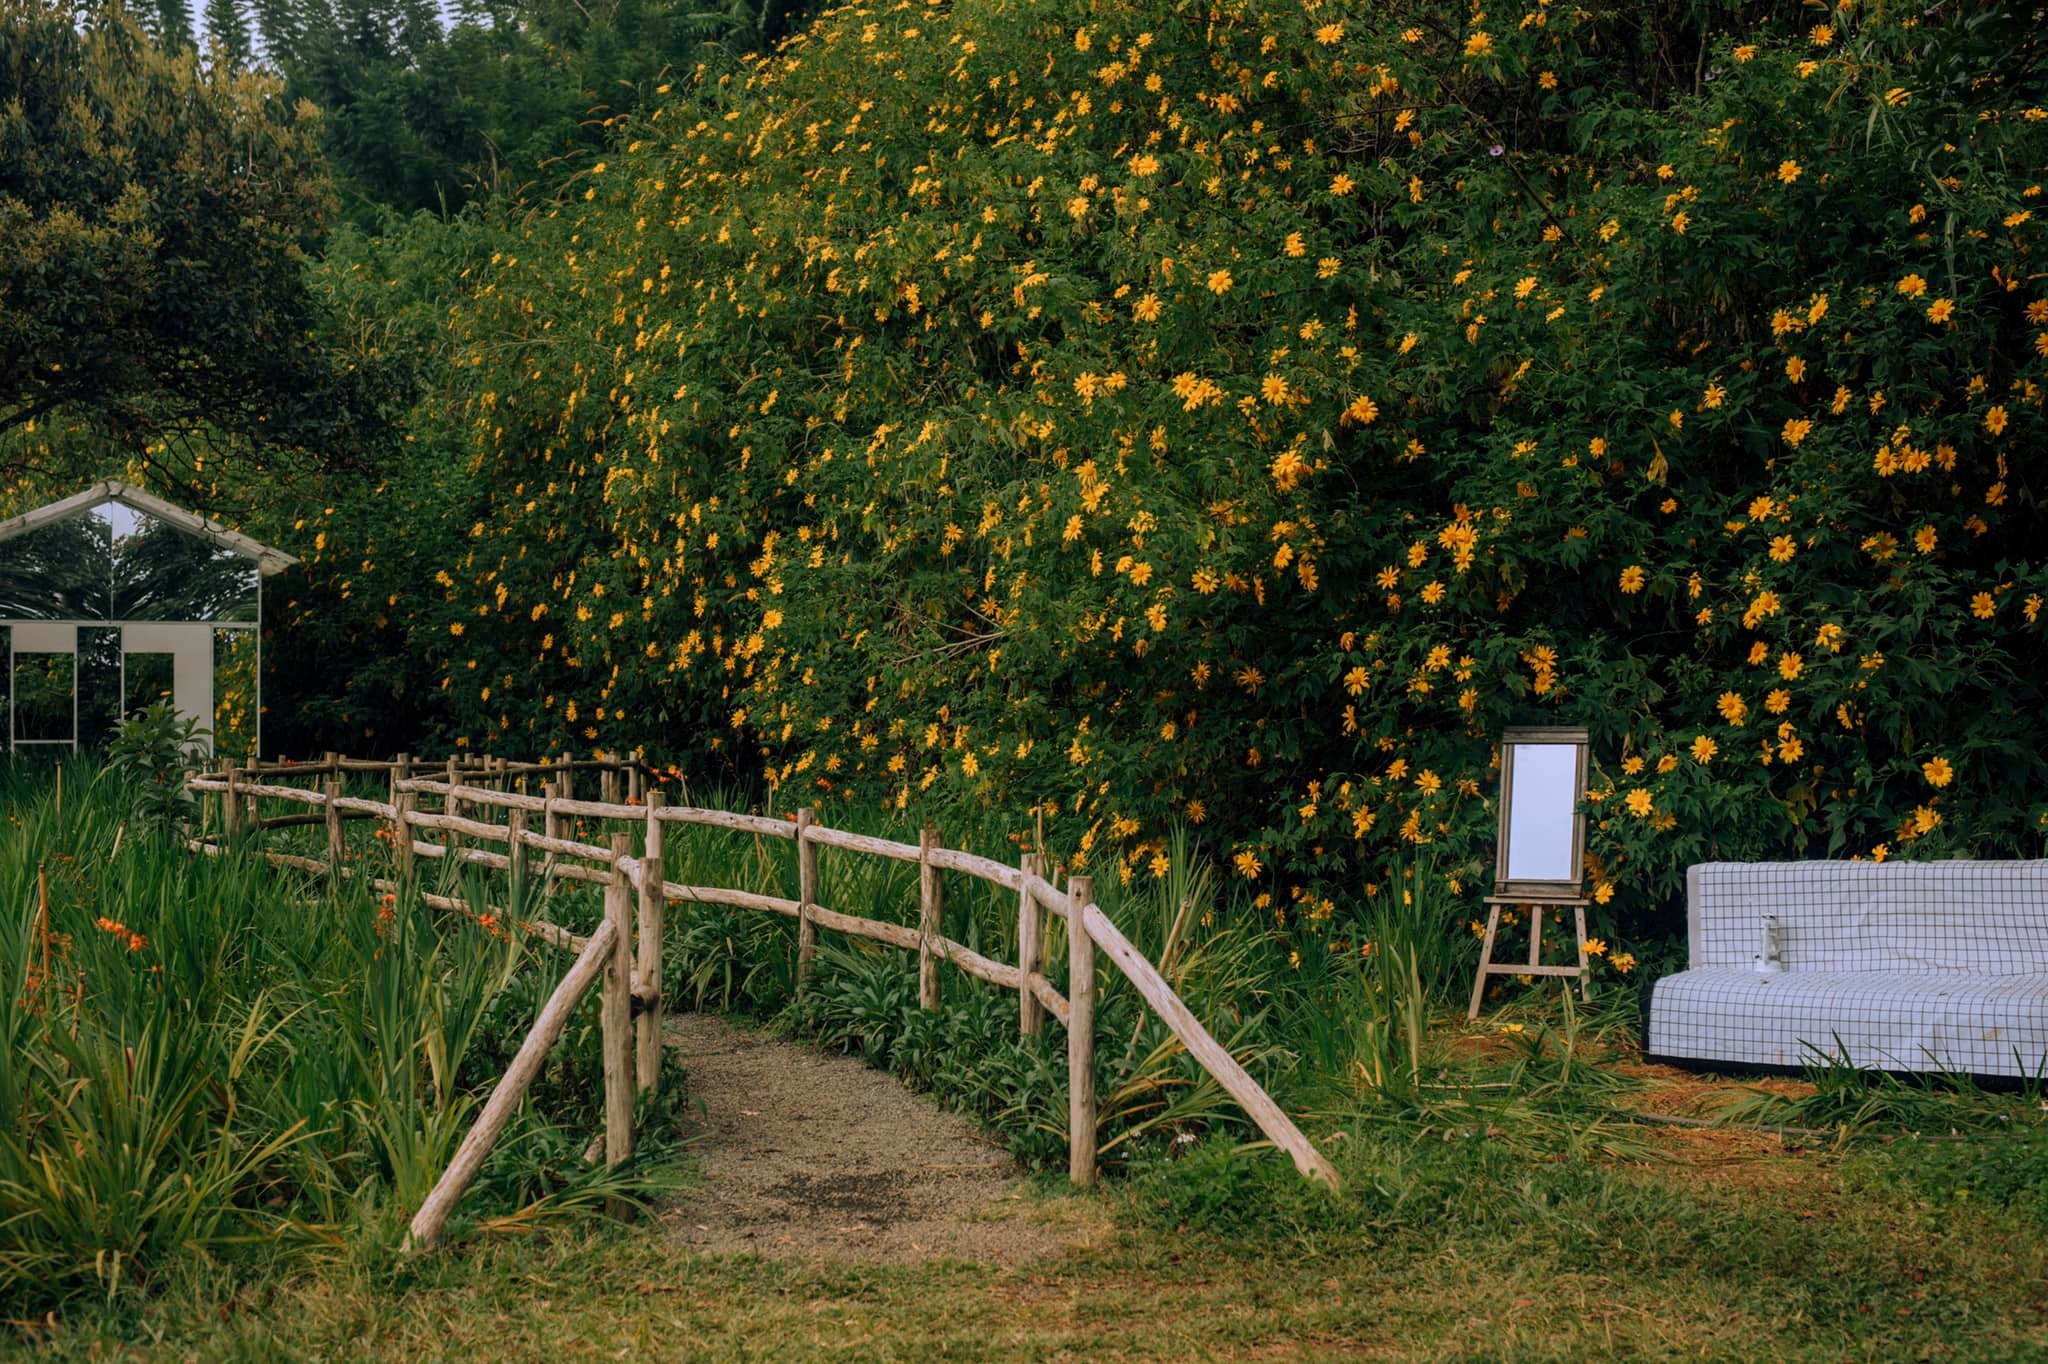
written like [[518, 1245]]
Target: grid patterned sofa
[[1905, 966]]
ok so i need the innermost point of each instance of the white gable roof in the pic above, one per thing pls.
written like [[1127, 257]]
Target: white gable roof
[[267, 560]]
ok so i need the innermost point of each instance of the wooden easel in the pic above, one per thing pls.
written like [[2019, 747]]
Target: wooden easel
[[1535, 967]]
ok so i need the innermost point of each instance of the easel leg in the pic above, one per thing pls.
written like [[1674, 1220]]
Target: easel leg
[[1584, 993], [1485, 960]]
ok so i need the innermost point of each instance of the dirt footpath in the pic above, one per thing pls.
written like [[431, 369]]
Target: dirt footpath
[[809, 1155]]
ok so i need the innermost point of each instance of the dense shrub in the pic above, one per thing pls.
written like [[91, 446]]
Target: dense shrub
[[1116, 416]]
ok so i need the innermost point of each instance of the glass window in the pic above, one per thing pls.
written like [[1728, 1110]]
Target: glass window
[[235, 693], [43, 685], [59, 572], [163, 573], [150, 679], [116, 563]]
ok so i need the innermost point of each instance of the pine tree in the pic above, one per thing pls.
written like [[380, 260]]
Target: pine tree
[[277, 24], [170, 25], [419, 27], [227, 29]]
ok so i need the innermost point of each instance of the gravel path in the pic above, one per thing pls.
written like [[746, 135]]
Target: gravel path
[[809, 1155]]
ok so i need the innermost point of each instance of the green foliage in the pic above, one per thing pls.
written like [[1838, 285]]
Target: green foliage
[[210, 1062], [1236, 419], [154, 752], [157, 214], [425, 115]]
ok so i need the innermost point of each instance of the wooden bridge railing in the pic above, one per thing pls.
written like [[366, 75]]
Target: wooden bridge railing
[[623, 955]]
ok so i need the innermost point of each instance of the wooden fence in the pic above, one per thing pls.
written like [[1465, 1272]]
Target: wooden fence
[[622, 956]]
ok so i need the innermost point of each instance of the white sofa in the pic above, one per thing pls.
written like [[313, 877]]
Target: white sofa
[[1902, 966]]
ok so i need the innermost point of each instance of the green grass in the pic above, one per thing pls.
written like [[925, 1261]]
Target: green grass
[[1437, 1249], [208, 1061]]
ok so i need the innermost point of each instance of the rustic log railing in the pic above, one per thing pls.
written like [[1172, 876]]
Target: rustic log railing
[[622, 957]]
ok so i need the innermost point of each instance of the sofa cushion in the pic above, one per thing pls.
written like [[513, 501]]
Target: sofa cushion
[[1990, 918], [1897, 1020]]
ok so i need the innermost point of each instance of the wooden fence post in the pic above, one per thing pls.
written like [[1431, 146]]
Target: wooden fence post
[[400, 771], [1030, 952], [551, 825], [930, 920], [453, 807], [806, 895], [231, 805], [617, 1015], [608, 784], [1080, 1034], [336, 845], [647, 973], [498, 1109], [515, 854], [401, 836]]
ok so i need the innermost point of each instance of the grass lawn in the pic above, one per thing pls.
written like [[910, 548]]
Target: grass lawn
[[1708, 1243]]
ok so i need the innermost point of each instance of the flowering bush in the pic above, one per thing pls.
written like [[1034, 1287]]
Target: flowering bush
[[1114, 416]]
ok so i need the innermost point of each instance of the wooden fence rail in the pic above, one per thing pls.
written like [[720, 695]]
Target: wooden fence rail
[[623, 955]]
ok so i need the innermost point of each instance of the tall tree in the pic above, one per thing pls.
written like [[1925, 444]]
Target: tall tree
[[227, 29], [172, 26], [157, 216]]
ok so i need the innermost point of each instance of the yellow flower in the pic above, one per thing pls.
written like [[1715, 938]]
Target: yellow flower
[[1941, 310], [1219, 282], [1732, 707], [1994, 420], [1789, 665], [1639, 803], [1479, 44], [1623, 962], [1983, 607], [1704, 749], [1288, 469], [1937, 771], [1796, 429], [1788, 171], [1342, 185], [1595, 947], [1247, 863], [1330, 34], [1912, 286], [1632, 579], [1146, 309]]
